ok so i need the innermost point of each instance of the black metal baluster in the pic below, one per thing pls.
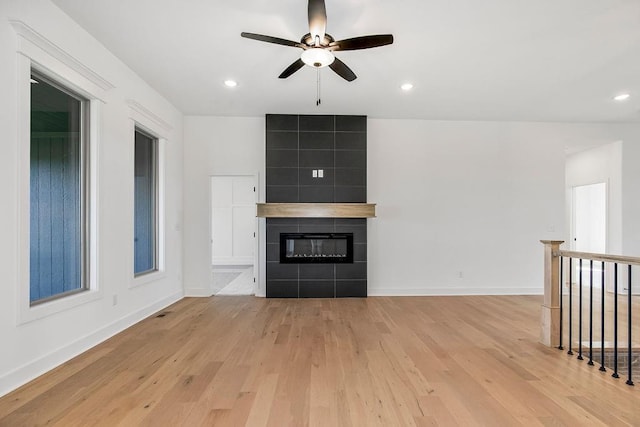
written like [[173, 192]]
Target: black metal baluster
[[630, 352], [590, 312], [561, 283], [570, 352], [615, 321], [580, 309], [602, 368]]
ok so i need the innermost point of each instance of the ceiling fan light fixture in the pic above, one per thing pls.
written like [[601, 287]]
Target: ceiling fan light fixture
[[317, 57]]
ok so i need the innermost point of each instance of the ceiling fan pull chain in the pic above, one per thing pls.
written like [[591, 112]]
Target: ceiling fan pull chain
[[318, 101]]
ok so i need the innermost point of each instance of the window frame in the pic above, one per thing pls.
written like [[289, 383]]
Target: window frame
[[37, 54], [155, 177], [149, 123], [84, 158]]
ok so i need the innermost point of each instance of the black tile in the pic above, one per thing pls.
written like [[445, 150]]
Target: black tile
[[321, 222], [317, 289], [282, 140], [273, 252], [282, 122], [317, 122], [350, 194], [282, 158], [276, 270], [316, 158], [282, 289], [351, 288], [282, 176], [274, 231], [316, 140], [351, 159], [351, 141], [282, 194], [354, 222], [316, 229], [359, 233], [359, 252], [282, 221], [357, 270], [350, 176], [316, 271], [316, 194], [351, 123], [306, 176]]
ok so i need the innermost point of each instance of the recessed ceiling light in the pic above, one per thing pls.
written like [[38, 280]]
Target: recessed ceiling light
[[406, 87], [230, 83], [622, 97]]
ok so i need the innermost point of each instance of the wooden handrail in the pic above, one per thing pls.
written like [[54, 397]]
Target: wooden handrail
[[599, 257]]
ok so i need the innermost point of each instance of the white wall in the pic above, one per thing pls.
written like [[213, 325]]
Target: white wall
[[454, 199], [462, 205], [29, 349], [215, 146]]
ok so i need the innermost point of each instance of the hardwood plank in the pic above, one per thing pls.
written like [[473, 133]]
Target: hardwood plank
[[345, 362]]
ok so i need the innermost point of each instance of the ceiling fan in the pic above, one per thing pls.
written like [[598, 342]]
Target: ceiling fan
[[318, 46]]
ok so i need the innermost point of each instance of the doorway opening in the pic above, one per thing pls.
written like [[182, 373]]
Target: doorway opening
[[233, 234]]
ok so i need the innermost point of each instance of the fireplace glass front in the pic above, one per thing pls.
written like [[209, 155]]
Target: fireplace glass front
[[298, 248]]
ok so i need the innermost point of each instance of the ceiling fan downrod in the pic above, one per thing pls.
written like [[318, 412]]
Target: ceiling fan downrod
[[318, 100]]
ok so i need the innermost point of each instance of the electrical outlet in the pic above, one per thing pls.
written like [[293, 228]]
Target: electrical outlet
[[314, 173], [320, 173]]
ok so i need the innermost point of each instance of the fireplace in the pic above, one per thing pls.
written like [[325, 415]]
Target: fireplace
[[302, 248], [315, 175]]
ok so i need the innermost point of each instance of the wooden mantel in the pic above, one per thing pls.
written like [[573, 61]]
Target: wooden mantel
[[316, 210]]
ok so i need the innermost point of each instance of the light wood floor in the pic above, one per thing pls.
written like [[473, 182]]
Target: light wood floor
[[377, 361]]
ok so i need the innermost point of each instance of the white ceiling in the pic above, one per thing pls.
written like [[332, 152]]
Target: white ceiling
[[542, 60]]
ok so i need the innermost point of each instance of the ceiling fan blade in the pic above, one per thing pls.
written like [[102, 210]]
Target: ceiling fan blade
[[342, 70], [317, 19], [291, 69], [270, 39], [363, 42]]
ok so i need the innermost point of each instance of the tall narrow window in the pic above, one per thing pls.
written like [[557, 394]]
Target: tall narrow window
[[58, 185], [146, 204]]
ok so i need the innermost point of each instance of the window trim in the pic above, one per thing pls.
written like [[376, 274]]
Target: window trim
[[150, 124], [33, 58]]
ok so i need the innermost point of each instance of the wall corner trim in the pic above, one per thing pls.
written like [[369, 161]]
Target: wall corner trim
[[27, 33]]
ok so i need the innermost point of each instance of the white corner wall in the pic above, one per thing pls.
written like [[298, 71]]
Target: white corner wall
[[462, 206], [31, 348], [215, 146]]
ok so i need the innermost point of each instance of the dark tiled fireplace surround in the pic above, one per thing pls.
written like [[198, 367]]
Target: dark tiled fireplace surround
[[296, 146]]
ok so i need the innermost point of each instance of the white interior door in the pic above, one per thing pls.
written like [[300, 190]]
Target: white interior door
[[233, 222], [589, 218]]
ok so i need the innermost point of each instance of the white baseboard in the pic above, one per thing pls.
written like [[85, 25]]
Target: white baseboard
[[34, 369], [198, 292], [390, 292]]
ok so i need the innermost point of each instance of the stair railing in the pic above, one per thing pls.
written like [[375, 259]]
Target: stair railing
[[558, 311]]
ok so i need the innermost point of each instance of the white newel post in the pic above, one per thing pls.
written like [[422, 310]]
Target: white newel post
[[550, 316]]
